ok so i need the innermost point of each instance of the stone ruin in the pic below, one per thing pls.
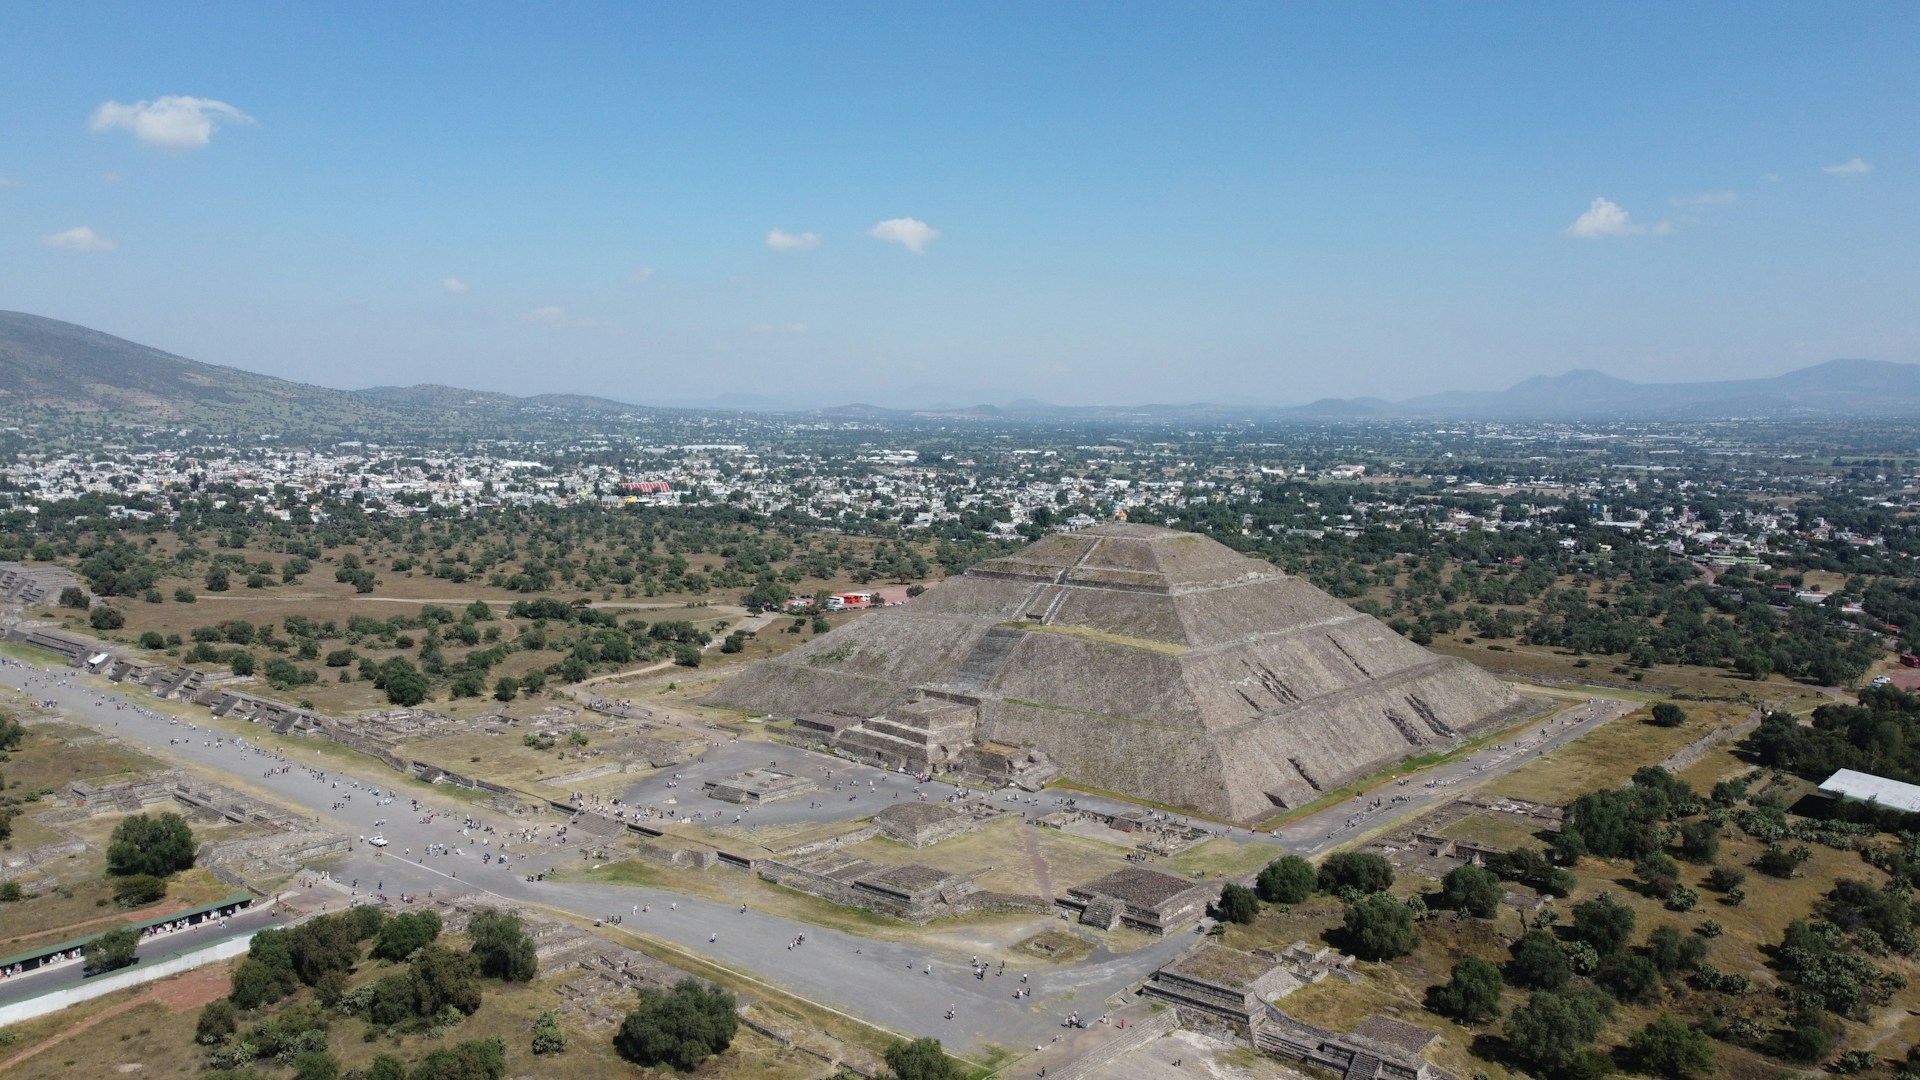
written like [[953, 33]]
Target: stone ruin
[[1140, 899], [1158, 664], [911, 892], [919, 824], [1418, 846], [42, 584], [759, 786], [1150, 835]]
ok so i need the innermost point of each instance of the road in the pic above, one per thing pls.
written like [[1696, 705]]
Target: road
[[884, 983]]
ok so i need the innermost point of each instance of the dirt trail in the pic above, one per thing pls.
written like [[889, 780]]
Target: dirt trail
[[189, 991], [159, 911]]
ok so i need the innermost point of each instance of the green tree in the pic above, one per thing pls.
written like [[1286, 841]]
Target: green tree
[[157, 844], [1472, 995], [404, 933], [680, 1029], [1667, 714], [1550, 1030], [502, 948], [106, 618], [1289, 879], [922, 1059], [1539, 963], [1631, 977], [1360, 870], [1700, 841], [73, 596], [1471, 890], [1661, 874], [506, 689], [112, 950], [1238, 904], [443, 979], [217, 580], [1604, 923], [1672, 949], [1380, 928], [1670, 1047]]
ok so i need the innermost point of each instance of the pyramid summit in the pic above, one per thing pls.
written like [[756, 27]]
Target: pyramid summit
[[1161, 665]]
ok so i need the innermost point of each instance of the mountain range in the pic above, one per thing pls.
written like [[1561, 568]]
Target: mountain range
[[51, 369]]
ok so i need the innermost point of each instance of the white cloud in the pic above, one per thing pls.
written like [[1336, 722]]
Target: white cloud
[[782, 240], [171, 122], [79, 238], [557, 316], [640, 276], [1856, 167], [780, 328], [455, 285], [910, 233], [8, 181], [1606, 218], [1707, 198]]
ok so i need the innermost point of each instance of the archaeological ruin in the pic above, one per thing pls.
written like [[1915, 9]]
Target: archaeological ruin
[[1158, 664]]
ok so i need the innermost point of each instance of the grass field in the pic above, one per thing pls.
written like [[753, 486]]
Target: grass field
[[1608, 755]]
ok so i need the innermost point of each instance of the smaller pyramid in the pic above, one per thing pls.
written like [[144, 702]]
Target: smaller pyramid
[[1161, 665]]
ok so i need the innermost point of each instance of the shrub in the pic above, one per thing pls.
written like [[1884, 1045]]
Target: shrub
[[1667, 714], [1725, 878], [548, 1038], [135, 890], [480, 1059], [218, 1020], [1670, 1047], [315, 1065], [679, 1029], [106, 618], [922, 1059], [1361, 870]]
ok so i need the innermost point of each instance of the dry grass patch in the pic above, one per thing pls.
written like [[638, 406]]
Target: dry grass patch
[[1607, 756]]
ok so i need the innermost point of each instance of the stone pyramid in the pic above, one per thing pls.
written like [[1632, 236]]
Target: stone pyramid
[[1157, 664]]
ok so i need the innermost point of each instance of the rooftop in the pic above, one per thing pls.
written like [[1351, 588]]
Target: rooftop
[[1137, 885], [1866, 787]]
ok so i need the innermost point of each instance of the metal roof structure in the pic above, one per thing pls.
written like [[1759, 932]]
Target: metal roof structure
[[1866, 787]]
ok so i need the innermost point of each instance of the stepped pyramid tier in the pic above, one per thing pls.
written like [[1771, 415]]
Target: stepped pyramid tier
[[1158, 664]]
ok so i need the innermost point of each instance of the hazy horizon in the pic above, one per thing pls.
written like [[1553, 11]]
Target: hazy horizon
[[1149, 204]]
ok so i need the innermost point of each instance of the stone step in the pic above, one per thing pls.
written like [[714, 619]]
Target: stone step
[[1363, 1067], [1137, 1034], [983, 663]]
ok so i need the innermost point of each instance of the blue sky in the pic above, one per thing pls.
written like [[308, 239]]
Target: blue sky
[[1111, 203]]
